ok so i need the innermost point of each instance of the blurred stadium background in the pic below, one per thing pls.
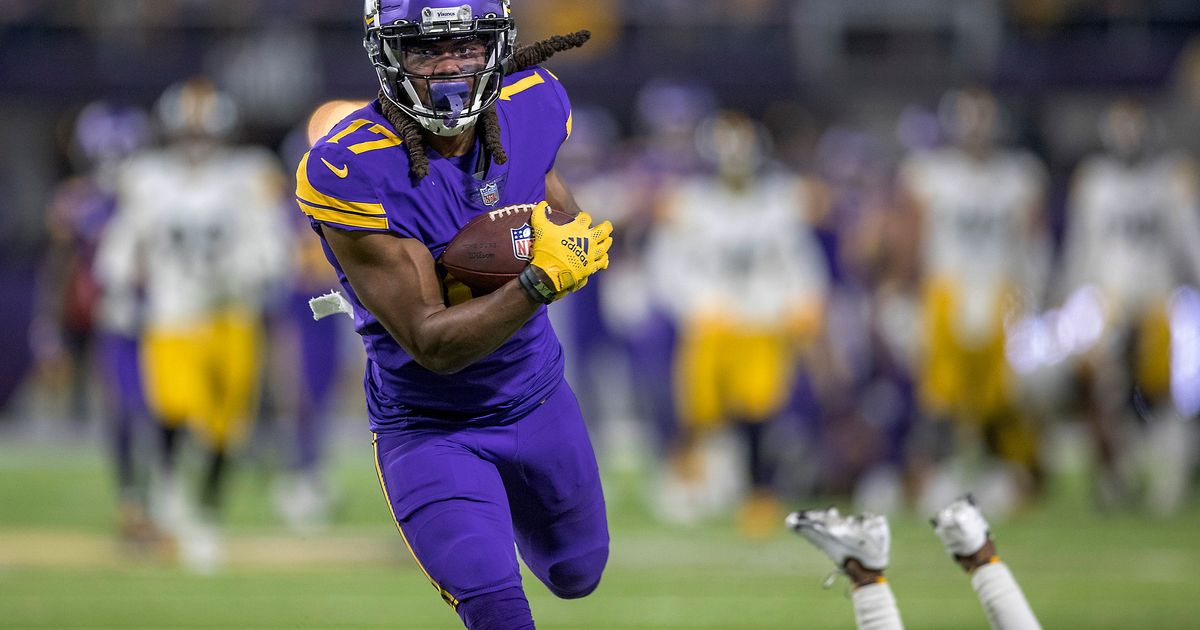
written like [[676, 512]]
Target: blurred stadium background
[[846, 90]]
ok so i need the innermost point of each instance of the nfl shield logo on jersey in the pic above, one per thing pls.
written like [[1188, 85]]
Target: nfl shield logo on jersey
[[490, 193], [522, 239]]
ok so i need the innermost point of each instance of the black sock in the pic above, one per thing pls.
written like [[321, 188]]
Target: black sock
[[759, 464], [170, 438], [210, 494]]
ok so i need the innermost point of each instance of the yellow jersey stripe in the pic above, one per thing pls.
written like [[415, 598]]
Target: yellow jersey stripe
[[390, 139], [510, 91], [306, 193], [350, 212], [363, 147], [450, 599], [570, 117], [345, 218]]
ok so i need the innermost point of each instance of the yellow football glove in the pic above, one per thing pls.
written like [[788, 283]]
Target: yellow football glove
[[568, 254]]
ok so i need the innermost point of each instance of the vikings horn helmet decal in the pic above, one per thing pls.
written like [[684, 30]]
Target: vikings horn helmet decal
[[440, 61]]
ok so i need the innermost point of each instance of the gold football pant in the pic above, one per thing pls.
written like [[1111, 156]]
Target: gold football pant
[[971, 383], [205, 376], [1152, 354], [725, 371]]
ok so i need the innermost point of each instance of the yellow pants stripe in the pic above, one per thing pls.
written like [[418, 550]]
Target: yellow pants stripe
[[449, 599]]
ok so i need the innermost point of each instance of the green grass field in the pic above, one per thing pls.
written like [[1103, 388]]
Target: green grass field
[[61, 568]]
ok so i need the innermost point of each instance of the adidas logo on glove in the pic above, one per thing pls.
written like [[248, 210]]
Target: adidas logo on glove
[[578, 246]]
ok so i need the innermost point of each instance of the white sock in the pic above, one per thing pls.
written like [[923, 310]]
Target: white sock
[[1002, 599], [875, 608]]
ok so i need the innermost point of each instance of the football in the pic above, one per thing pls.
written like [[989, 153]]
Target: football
[[492, 248]]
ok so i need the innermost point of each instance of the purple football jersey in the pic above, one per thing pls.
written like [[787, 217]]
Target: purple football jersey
[[357, 178]]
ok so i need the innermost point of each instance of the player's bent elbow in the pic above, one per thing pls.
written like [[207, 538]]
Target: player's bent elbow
[[427, 351], [439, 364], [440, 360]]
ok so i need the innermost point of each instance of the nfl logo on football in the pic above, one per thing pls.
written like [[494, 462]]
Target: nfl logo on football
[[522, 239], [490, 193]]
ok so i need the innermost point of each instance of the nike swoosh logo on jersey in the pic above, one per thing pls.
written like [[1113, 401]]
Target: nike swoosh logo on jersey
[[340, 172]]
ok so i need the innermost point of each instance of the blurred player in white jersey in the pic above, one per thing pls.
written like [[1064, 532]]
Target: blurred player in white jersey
[[196, 230], [981, 236], [1132, 241], [746, 281]]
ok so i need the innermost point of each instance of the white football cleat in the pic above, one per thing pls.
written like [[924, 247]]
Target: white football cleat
[[865, 538], [200, 548], [961, 527]]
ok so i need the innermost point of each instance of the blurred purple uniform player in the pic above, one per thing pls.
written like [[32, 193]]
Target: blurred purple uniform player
[[304, 498], [591, 162], [668, 113], [866, 394], [479, 441], [75, 312]]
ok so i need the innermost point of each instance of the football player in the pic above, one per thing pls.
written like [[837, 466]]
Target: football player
[[307, 358], [593, 162], [479, 441], [74, 311], [864, 387], [661, 151], [1131, 223], [190, 233], [744, 305], [981, 231]]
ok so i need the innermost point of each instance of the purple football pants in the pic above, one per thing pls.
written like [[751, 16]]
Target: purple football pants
[[462, 496]]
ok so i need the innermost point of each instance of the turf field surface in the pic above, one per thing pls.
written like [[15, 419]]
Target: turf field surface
[[60, 565]]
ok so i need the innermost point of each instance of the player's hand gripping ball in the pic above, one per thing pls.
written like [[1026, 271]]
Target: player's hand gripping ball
[[493, 248], [569, 254]]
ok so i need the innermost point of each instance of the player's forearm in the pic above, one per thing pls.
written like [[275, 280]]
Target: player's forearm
[[448, 340]]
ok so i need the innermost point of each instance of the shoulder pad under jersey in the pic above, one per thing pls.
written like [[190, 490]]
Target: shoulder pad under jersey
[[539, 89]]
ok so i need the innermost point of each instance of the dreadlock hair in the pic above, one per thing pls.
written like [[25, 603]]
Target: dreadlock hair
[[489, 122]]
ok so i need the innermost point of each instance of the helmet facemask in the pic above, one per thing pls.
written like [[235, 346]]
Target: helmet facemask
[[442, 72]]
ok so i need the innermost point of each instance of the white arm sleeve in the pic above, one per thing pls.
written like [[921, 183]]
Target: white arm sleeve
[[875, 608], [1002, 599]]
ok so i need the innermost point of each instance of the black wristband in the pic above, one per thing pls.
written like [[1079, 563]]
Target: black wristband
[[535, 287]]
